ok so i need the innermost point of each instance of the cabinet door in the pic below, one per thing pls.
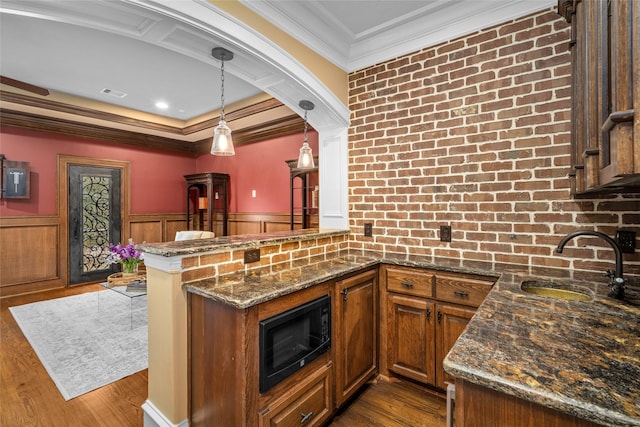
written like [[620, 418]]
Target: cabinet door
[[411, 341], [355, 332], [605, 95], [451, 322]]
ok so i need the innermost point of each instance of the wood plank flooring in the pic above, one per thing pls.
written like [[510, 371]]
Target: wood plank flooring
[[28, 396], [393, 404]]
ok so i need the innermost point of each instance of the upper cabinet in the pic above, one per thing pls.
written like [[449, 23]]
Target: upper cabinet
[[606, 93]]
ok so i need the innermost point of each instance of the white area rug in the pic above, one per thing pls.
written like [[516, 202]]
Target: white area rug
[[86, 341]]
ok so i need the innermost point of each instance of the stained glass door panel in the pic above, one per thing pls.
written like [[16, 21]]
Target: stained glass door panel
[[94, 221]]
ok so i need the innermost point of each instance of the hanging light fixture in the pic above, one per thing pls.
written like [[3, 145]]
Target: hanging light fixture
[[305, 160], [222, 142]]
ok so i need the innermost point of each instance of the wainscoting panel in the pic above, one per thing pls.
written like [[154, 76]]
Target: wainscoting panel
[[155, 228], [146, 231], [29, 256], [256, 223], [172, 226], [31, 259]]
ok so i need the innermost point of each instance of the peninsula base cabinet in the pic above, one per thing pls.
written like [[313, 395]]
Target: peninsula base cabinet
[[421, 322], [224, 365], [478, 406]]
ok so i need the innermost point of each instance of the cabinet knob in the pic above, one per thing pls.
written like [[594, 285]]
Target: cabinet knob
[[407, 284], [305, 417]]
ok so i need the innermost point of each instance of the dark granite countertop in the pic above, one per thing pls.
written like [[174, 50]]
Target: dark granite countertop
[[243, 290], [581, 358]]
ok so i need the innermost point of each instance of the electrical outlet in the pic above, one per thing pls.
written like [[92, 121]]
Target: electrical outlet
[[445, 233], [368, 229], [627, 241], [251, 255]]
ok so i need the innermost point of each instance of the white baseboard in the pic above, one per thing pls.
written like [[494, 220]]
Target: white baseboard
[[154, 418]]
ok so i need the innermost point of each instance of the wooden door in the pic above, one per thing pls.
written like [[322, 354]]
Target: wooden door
[[355, 333], [452, 321], [411, 337]]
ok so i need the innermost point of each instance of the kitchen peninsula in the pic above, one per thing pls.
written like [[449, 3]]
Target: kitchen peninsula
[[544, 351]]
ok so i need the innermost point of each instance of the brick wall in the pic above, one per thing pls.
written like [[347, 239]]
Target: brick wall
[[474, 133], [274, 256]]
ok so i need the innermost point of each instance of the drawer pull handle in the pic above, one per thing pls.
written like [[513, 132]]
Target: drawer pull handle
[[305, 417], [461, 293], [407, 284]]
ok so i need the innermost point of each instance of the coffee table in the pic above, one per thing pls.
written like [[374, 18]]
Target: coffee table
[[122, 290]]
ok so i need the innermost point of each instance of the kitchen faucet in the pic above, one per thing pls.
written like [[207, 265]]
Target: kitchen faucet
[[617, 279]]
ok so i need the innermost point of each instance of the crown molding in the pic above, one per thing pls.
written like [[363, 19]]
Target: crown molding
[[81, 122]]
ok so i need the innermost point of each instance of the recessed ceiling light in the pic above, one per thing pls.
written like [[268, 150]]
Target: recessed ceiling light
[[162, 105]]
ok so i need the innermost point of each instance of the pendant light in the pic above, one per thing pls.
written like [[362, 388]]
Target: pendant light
[[222, 142], [305, 160]]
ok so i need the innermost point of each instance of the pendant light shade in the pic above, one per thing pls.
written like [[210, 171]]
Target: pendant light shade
[[222, 141], [222, 144], [305, 159]]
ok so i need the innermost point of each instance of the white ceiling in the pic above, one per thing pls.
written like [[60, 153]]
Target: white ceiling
[[84, 46]]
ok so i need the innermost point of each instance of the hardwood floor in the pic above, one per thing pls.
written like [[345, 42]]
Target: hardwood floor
[[30, 398], [393, 404]]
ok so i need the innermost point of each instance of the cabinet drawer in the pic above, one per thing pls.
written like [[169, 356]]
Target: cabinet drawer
[[462, 289], [310, 403], [410, 281]]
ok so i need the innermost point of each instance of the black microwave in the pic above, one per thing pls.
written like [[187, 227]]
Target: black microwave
[[292, 339]]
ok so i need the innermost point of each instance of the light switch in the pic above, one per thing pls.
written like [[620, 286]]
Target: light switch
[[253, 193]]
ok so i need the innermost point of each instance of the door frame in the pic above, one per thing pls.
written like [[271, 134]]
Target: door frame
[[63, 199]]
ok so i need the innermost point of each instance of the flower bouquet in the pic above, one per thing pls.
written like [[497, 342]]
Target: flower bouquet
[[129, 258]]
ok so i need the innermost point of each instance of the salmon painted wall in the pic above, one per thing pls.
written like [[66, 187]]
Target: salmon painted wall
[[157, 178], [259, 166]]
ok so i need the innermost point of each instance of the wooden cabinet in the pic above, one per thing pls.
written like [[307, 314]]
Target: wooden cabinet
[[304, 191], [605, 132], [309, 403], [224, 366], [355, 345], [478, 406], [224, 363], [208, 202], [426, 313]]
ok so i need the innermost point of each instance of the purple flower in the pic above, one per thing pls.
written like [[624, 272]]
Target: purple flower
[[128, 256]]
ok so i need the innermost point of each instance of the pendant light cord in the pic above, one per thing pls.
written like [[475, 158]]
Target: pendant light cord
[[222, 92], [305, 126]]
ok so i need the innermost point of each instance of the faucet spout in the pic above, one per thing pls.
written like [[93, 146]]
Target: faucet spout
[[617, 278]]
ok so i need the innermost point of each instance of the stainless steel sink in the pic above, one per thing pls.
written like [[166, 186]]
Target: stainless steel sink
[[555, 291]]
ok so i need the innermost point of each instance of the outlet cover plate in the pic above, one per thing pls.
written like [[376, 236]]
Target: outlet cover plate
[[445, 233], [251, 255], [368, 229], [627, 241]]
